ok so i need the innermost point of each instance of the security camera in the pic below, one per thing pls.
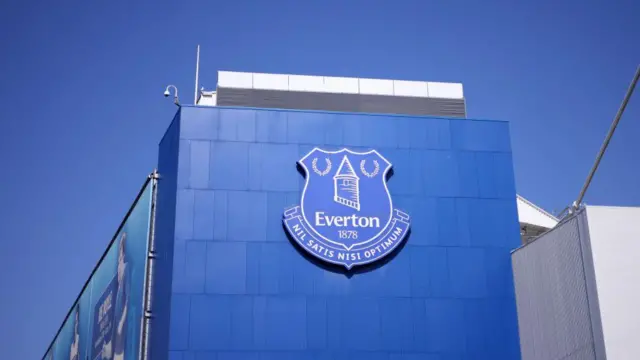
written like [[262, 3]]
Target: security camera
[[175, 94]]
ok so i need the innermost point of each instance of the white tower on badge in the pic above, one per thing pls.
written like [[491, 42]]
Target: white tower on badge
[[346, 185]]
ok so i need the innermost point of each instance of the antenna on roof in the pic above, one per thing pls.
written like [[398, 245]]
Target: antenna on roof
[[195, 92]]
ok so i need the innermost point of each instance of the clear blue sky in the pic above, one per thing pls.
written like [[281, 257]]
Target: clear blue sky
[[81, 86]]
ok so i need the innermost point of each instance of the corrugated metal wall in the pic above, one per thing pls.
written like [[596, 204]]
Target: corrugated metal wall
[[552, 293]]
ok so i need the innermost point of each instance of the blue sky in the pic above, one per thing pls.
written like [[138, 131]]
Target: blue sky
[[81, 87]]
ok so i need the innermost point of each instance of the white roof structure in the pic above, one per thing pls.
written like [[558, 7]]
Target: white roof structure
[[339, 85], [329, 93], [533, 220], [531, 214]]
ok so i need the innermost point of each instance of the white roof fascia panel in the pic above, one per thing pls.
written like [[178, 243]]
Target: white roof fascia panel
[[528, 213], [341, 85], [410, 88], [376, 87], [271, 82], [306, 83], [238, 80], [445, 90]]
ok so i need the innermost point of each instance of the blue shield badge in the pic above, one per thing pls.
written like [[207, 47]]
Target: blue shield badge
[[346, 214]]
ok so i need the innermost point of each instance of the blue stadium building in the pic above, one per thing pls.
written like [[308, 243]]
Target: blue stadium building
[[303, 217]]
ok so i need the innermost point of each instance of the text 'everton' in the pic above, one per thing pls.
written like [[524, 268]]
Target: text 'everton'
[[345, 221]]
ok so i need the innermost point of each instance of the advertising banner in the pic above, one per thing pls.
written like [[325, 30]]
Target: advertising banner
[[105, 323]]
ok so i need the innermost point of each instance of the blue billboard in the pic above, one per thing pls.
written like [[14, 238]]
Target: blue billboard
[[105, 322]]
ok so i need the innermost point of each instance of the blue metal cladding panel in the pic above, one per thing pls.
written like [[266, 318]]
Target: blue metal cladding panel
[[163, 301], [241, 290]]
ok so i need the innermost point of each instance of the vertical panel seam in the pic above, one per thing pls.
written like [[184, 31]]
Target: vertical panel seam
[[584, 276]]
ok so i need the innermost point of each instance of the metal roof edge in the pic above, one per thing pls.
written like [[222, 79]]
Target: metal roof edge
[[541, 210]]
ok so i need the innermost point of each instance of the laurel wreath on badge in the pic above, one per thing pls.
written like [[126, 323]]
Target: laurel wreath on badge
[[314, 165], [375, 170]]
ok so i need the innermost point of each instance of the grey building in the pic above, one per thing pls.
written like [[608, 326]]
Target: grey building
[[577, 288]]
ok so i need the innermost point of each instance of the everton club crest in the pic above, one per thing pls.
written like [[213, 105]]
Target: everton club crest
[[346, 215]]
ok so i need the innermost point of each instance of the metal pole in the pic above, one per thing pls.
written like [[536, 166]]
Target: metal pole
[[195, 92], [150, 271], [612, 129]]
